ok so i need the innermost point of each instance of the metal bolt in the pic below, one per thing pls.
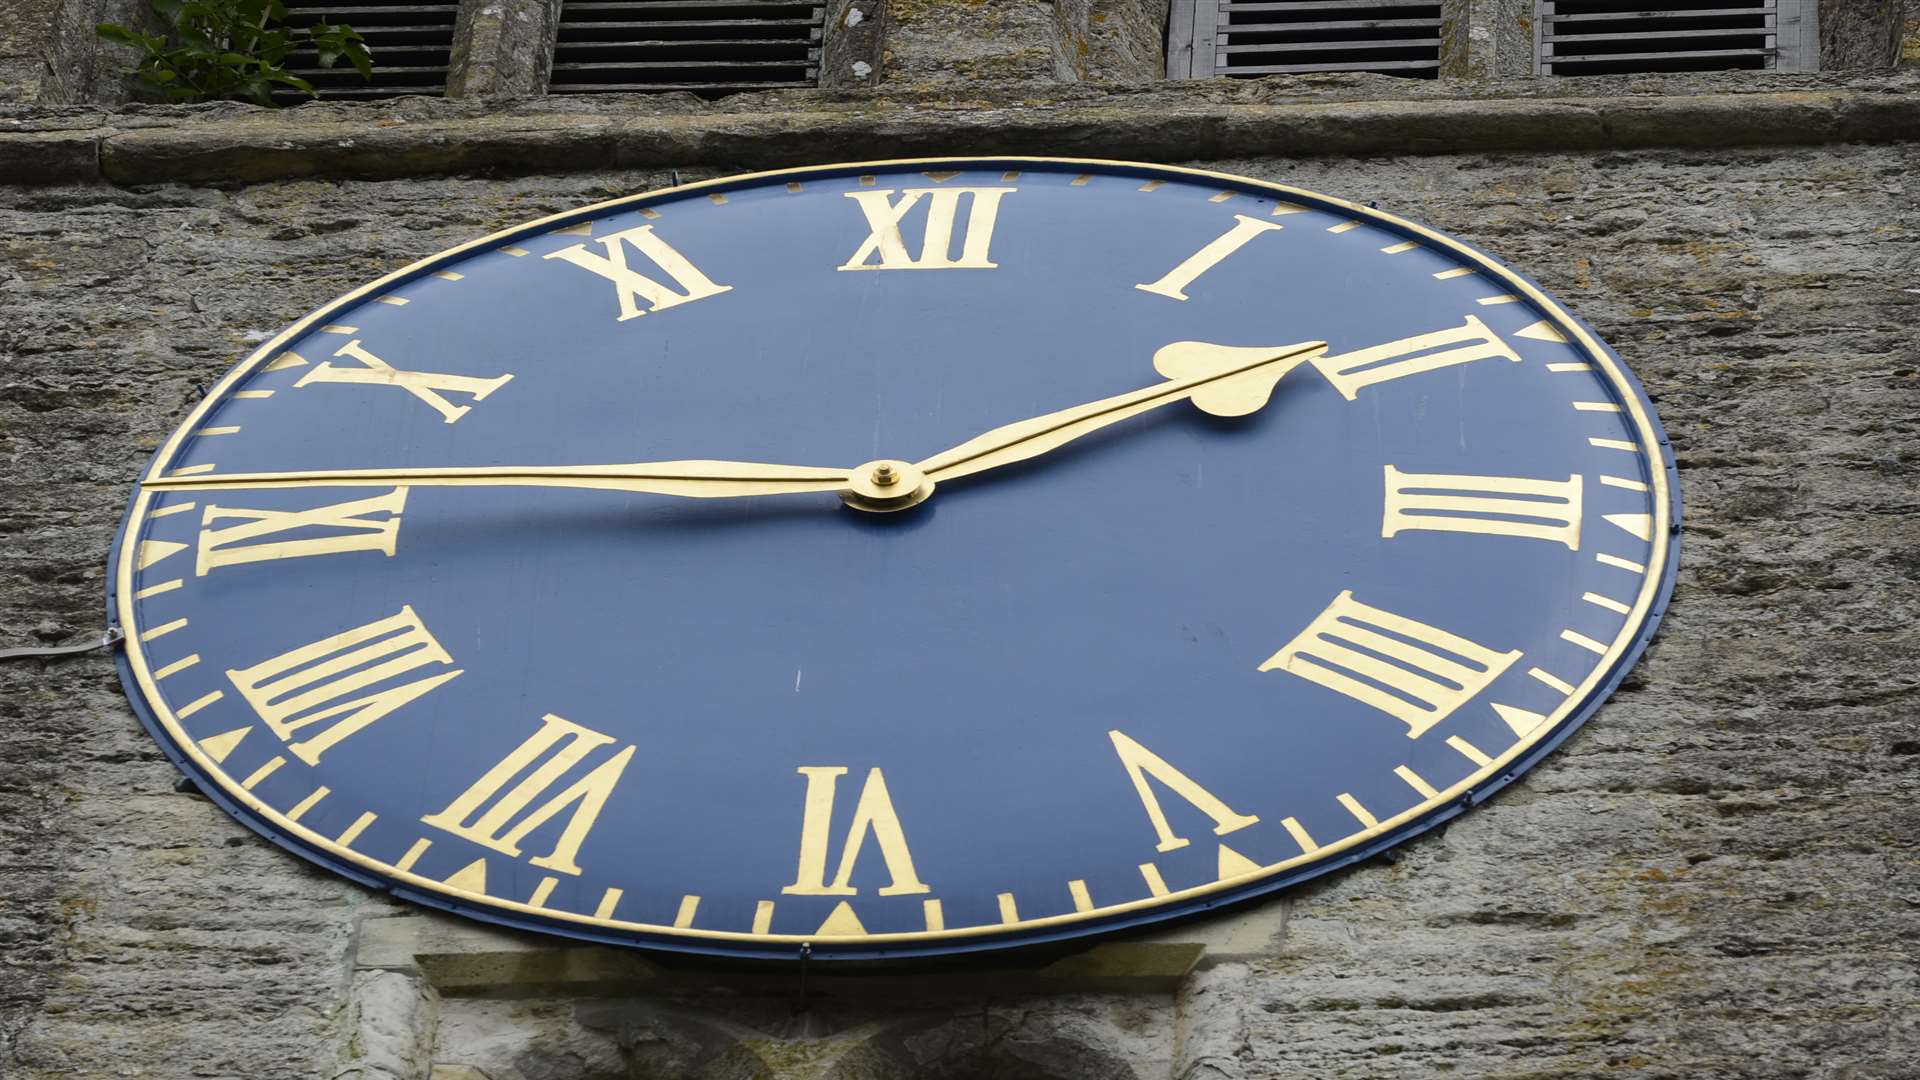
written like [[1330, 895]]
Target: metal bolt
[[884, 476]]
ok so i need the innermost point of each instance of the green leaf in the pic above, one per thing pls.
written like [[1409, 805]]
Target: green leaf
[[232, 49]]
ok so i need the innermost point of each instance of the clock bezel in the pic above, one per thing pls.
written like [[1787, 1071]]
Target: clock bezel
[[1641, 624]]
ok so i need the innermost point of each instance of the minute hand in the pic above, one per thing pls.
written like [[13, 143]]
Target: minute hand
[[693, 479], [1220, 379]]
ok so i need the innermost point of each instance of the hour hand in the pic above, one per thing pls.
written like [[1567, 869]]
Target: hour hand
[[693, 479], [1224, 380]]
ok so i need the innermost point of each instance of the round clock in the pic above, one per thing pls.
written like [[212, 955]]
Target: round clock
[[896, 558]]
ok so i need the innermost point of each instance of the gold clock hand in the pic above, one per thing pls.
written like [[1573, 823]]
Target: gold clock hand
[[693, 479], [1221, 379]]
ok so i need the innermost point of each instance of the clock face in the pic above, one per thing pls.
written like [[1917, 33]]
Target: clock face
[[1117, 541]]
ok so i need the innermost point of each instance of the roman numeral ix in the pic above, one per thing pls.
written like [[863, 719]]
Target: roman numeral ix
[[363, 531]]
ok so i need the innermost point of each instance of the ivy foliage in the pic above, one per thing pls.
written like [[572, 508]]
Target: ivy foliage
[[217, 50]]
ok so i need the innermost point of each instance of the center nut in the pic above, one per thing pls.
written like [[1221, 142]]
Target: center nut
[[886, 485]]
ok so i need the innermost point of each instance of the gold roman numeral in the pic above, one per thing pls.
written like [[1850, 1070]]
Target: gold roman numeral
[[229, 546], [874, 814], [499, 821], [1142, 763], [1439, 502], [1351, 372], [1175, 283], [1416, 673], [631, 286], [884, 215], [330, 684], [425, 385]]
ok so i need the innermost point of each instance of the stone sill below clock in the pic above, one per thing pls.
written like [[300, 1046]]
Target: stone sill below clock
[[1293, 116], [458, 957]]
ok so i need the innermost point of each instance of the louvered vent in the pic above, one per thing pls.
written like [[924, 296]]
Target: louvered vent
[[1610, 37], [410, 41], [1209, 38], [710, 47]]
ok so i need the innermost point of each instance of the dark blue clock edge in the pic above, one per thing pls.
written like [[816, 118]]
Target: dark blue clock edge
[[1159, 917]]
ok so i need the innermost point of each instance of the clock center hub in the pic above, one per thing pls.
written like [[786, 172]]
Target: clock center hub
[[886, 485]]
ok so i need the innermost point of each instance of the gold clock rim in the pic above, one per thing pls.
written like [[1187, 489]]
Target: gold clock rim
[[1598, 353]]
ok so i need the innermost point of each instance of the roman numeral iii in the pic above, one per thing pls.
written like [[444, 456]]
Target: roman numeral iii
[[884, 215], [338, 685], [1352, 372], [363, 531], [1142, 763], [873, 814], [1175, 282], [425, 385], [495, 816], [632, 287], [1491, 505], [1416, 673]]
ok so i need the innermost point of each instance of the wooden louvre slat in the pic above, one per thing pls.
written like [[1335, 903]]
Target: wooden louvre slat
[[1335, 24], [708, 47], [1594, 37], [411, 43], [1327, 46], [1355, 65], [1666, 35], [1623, 16], [1234, 7], [1266, 37]]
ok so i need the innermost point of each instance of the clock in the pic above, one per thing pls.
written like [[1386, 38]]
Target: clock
[[896, 558]]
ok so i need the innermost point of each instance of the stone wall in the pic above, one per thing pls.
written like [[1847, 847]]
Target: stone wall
[[1716, 877]]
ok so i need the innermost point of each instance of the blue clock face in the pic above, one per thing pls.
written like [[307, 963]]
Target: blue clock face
[[897, 558]]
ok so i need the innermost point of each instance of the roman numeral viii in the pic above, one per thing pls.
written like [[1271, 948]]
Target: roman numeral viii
[[496, 816], [245, 543], [884, 215], [873, 814], [1490, 505], [338, 685], [1416, 673], [1355, 371], [630, 286], [425, 385]]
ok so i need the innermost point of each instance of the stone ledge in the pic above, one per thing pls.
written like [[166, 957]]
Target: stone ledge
[[462, 958], [233, 145]]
